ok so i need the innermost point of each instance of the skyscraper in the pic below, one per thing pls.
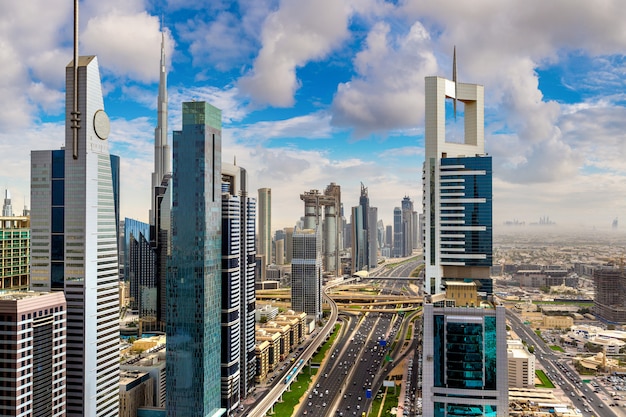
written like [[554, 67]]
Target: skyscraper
[[7, 209], [364, 203], [372, 237], [464, 347], [288, 244], [149, 266], [358, 242], [161, 148], [407, 219], [139, 269], [306, 272], [75, 233], [398, 233], [238, 291], [265, 224], [194, 270], [457, 191]]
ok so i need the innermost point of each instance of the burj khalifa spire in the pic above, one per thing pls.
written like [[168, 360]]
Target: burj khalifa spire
[[161, 148]]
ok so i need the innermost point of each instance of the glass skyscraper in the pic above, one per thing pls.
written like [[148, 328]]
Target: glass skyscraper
[[457, 193], [306, 272], [194, 269], [74, 230], [140, 269], [464, 366]]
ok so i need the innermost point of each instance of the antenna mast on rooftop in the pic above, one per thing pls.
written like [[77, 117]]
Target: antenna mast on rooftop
[[75, 112]]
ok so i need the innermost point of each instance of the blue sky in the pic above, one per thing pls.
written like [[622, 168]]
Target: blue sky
[[320, 91]]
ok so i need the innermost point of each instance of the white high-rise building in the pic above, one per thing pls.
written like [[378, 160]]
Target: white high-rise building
[[457, 193], [238, 266], [73, 223]]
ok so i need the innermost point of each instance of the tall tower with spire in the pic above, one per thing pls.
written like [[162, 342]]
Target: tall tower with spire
[[73, 219], [161, 148]]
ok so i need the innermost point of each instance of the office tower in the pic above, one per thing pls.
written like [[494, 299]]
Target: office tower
[[74, 231], [238, 291], [347, 233], [464, 367], [139, 270], [194, 270], [372, 241], [398, 233], [329, 204], [389, 236], [359, 240], [279, 246], [415, 234], [33, 358], [407, 219], [265, 224], [364, 203], [14, 253], [288, 244], [464, 347], [457, 191], [306, 272], [609, 301], [7, 209]]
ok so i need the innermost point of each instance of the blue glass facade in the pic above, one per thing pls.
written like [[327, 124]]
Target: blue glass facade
[[464, 410], [468, 183], [194, 269], [464, 353], [140, 268]]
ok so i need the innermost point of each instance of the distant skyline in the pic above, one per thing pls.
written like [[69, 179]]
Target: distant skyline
[[321, 91]]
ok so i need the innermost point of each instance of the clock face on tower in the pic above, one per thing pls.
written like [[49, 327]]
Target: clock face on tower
[[101, 124]]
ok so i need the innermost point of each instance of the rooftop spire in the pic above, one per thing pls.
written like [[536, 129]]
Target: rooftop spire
[[454, 79], [161, 148]]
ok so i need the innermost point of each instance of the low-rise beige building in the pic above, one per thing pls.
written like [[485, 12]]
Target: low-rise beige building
[[557, 322], [283, 330], [136, 391], [521, 365]]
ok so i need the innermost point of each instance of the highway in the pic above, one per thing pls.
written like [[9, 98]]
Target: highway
[[352, 365], [265, 404]]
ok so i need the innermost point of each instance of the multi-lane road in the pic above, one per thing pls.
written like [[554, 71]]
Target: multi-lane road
[[561, 374], [352, 366]]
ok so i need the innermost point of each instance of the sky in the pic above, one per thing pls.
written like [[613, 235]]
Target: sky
[[321, 91]]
